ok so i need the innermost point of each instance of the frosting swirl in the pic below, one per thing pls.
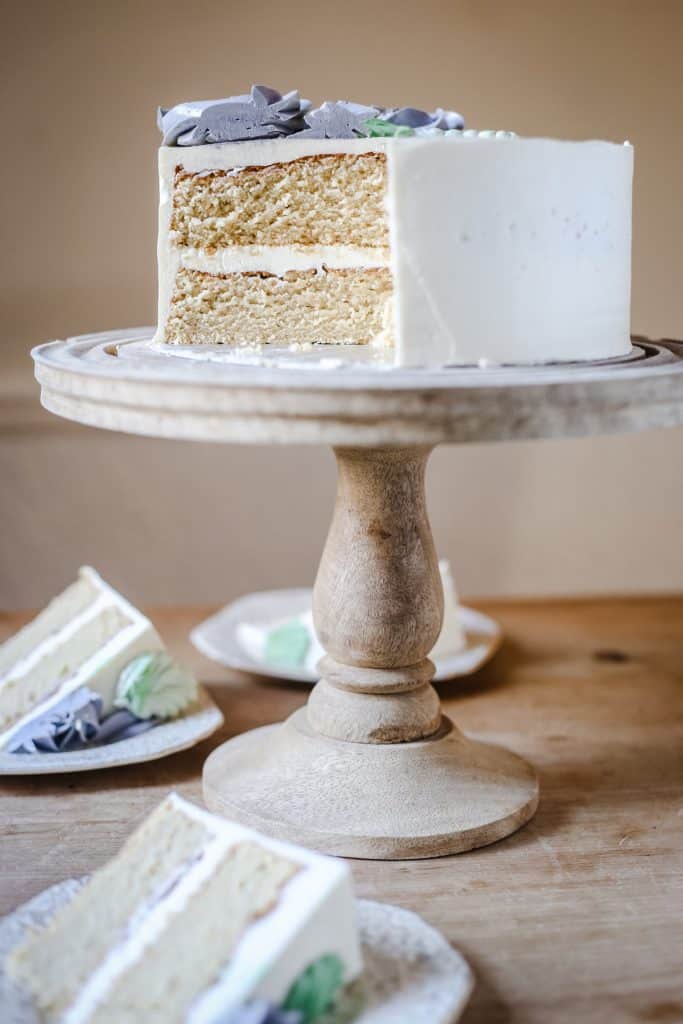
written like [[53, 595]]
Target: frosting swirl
[[263, 114]]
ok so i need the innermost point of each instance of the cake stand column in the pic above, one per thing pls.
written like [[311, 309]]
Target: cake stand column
[[371, 768], [377, 603]]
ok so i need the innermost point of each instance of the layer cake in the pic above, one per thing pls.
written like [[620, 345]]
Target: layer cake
[[356, 225]]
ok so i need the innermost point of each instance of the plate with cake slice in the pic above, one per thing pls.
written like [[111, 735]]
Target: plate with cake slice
[[89, 684], [197, 920], [272, 634]]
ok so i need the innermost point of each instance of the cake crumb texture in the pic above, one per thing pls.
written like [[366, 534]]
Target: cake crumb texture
[[342, 307], [55, 963], [197, 942], [57, 614], [314, 200], [23, 691]]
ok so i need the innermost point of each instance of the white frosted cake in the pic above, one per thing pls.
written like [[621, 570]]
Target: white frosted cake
[[292, 643], [355, 225], [194, 918], [89, 642]]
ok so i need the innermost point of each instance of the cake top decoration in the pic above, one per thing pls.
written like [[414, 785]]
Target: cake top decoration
[[267, 114], [76, 723], [340, 120], [263, 114]]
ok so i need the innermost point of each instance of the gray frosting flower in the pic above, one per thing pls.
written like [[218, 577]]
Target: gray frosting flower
[[339, 120], [419, 120], [76, 723], [263, 114], [267, 114]]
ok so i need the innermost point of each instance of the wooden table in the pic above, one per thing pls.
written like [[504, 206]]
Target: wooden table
[[579, 916]]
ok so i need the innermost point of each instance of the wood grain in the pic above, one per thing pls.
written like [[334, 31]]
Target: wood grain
[[378, 602], [577, 916], [371, 768]]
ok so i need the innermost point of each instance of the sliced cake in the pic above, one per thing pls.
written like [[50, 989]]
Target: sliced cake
[[193, 918], [85, 637], [355, 225]]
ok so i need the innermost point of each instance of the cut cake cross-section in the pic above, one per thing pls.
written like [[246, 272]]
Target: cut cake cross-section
[[193, 918]]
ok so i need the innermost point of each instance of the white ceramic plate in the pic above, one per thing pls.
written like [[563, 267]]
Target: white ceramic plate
[[217, 637], [195, 724], [411, 972]]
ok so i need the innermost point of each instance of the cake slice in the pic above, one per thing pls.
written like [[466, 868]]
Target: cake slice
[[85, 637], [193, 918]]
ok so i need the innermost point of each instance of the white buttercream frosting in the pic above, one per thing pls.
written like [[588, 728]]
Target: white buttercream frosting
[[278, 259], [510, 250]]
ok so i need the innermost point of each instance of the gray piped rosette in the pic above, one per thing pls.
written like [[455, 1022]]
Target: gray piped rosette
[[76, 723], [263, 114], [268, 114]]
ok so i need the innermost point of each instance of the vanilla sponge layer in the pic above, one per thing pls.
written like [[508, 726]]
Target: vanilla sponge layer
[[21, 692], [340, 306], [197, 942], [58, 613], [154, 928], [314, 200], [99, 917]]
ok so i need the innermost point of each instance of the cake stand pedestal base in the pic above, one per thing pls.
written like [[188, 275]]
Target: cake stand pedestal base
[[371, 768], [445, 794]]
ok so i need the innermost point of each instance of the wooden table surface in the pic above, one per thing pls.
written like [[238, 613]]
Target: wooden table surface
[[578, 917]]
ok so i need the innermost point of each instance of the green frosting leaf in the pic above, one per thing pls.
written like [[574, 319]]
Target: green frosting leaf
[[288, 644], [154, 684], [314, 991], [377, 128]]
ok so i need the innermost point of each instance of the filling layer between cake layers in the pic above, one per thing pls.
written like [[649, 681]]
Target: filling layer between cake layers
[[274, 244]]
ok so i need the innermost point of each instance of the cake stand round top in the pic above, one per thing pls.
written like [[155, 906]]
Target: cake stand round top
[[119, 381]]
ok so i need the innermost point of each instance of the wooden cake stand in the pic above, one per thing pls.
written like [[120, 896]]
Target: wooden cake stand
[[370, 767]]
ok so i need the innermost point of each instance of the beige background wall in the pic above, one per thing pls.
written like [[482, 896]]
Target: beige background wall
[[180, 522]]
